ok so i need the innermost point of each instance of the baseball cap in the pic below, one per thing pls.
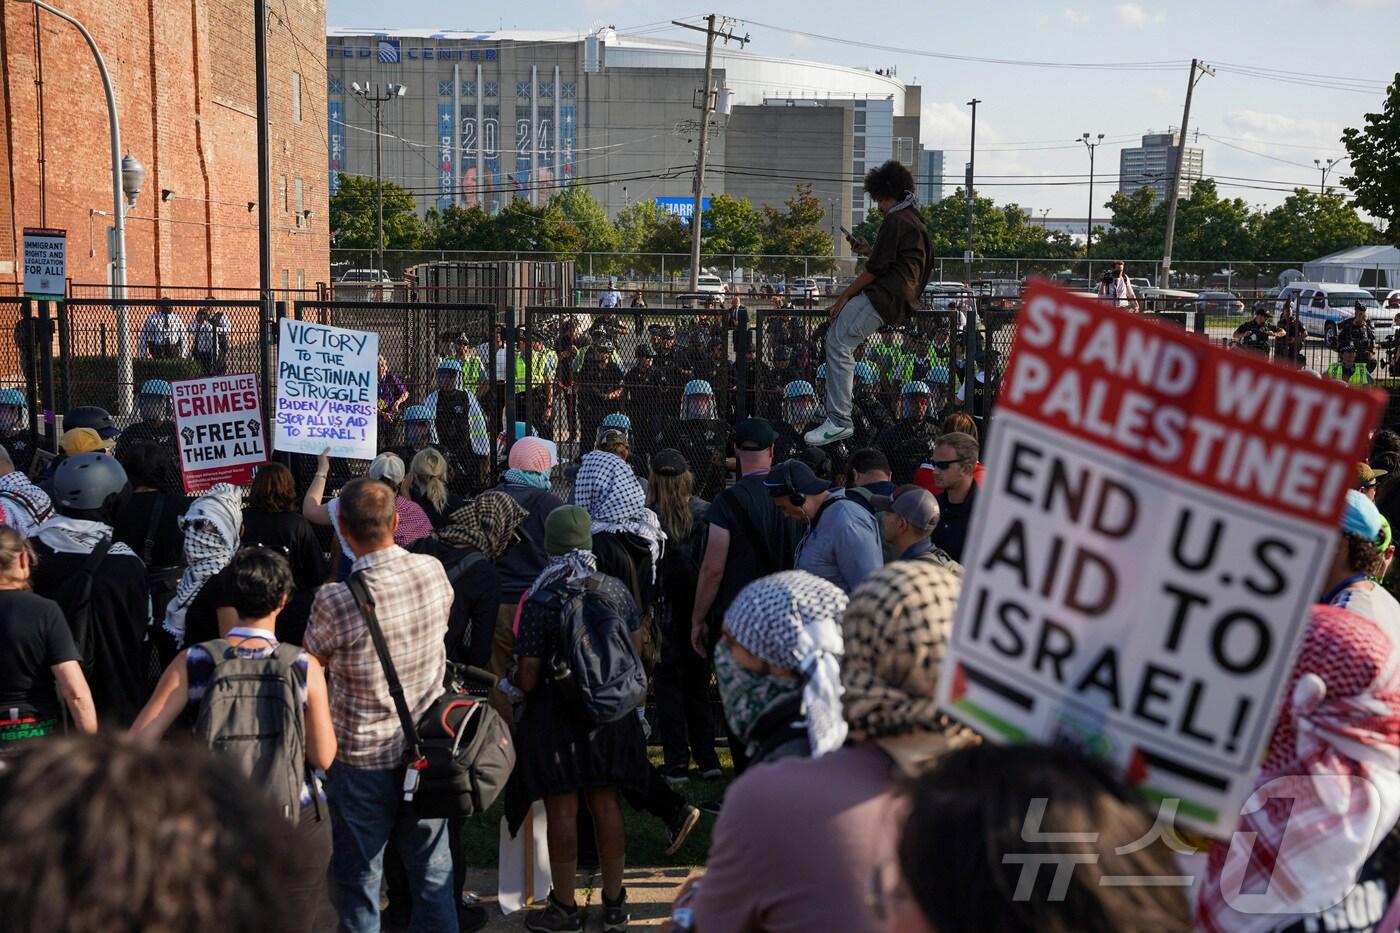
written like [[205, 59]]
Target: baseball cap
[[388, 467], [1365, 473], [794, 476], [917, 506], [669, 462], [81, 441], [1360, 516], [566, 529], [613, 436], [754, 434]]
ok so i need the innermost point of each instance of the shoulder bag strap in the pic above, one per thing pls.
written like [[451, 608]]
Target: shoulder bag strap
[[360, 591], [455, 573], [156, 511]]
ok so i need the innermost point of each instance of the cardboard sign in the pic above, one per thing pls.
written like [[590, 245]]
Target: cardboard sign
[[1157, 516], [45, 263], [218, 430], [327, 390]]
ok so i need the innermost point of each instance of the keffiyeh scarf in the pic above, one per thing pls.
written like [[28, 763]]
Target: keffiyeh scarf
[[1329, 789], [517, 477], [488, 523], [608, 490], [793, 620], [576, 563], [909, 200], [211, 527]]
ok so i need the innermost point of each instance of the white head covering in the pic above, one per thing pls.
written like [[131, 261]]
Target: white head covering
[[208, 549], [608, 489]]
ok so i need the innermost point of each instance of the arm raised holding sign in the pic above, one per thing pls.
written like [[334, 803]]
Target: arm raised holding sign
[[311, 506]]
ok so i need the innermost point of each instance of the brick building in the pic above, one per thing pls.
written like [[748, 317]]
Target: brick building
[[184, 80]]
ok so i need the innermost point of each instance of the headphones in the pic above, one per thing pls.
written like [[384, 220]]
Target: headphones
[[797, 499]]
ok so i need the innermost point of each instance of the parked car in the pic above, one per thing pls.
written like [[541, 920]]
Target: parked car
[[1167, 299], [365, 285], [804, 292], [998, 294], [1219, 303], [1323, 306], [1139, 283], [710, 292]]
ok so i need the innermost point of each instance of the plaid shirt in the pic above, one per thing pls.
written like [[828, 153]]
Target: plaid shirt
[[412, 599]]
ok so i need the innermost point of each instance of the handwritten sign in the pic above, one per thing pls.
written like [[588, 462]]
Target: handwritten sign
[[218, 430], [1156, 518], [326, 391], [45, 262]]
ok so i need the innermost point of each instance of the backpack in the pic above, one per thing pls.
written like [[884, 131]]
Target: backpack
[[596, 661], [252, 713]]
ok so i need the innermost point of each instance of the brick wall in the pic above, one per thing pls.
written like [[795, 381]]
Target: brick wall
[[184, 80]]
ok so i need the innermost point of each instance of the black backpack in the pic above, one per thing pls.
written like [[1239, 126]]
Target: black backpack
[[460, 747], [596, 663]]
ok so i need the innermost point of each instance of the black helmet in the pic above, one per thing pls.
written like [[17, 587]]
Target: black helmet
[[644, 349], [87, 482], [91, 416], [668, 332]]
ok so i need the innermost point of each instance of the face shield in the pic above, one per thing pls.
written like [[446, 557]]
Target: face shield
[[914, 406], [698, 408], [419, 433], [150, 407], [799, 410], [449, 379]]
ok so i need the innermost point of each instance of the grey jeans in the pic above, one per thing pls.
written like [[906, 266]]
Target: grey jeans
[[856, 322]]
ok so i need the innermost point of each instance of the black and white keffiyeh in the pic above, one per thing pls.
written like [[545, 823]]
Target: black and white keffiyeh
[[793, 620], [575, 563], [211, 526], [608, 490], [909, 200]]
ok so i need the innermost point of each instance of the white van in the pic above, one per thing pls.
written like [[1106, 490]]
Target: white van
[[1323, 306]]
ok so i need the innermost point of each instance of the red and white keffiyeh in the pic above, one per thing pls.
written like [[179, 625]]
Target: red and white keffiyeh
[[1329, 788]]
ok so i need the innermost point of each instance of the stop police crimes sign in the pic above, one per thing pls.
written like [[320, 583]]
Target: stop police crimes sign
[[1156, 519], [218, 429]]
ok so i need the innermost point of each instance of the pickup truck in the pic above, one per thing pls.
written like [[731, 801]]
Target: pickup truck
[[710, 292]]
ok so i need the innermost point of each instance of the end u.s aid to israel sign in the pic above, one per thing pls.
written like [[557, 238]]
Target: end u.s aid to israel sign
[[1157, 516], [218, 430], [327, 391]]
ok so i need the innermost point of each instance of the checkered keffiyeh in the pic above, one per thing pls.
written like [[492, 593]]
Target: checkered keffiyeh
[[608, 490], [896, 632], [211, 526], [488, 523], [1329, 789], [793, 620]]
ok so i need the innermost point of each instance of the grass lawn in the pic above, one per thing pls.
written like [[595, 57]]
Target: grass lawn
[[646, 837]]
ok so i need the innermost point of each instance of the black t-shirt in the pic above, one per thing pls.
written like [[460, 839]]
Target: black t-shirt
[[476, 598], [524, 559], [134, 521], [953, 522], [292, 534], [33, 638], [761, 539], [111, 642], [438, 517], [627, 557]]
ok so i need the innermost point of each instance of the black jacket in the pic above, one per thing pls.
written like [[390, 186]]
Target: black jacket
[[476, 598]]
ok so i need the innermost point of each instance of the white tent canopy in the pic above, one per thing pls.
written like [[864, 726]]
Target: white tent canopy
[[1367, 266]]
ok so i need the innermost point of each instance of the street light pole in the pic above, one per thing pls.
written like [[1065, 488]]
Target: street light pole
[[1324, 168], [1089, 232], [117, 248], [391, 91], [970, 338]]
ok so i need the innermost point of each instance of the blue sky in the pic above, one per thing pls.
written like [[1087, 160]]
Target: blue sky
[[1263, 132]]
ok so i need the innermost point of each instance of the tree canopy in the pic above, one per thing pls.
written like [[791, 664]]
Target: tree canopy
[[1375, 163]]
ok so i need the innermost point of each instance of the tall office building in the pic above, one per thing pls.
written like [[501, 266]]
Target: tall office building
[[1151, 165], [929, 176]]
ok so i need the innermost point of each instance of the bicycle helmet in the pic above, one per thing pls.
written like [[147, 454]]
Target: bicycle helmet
[[87, 482]]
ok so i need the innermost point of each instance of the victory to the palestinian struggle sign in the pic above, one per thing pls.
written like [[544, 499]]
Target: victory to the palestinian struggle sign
[[326, 392]]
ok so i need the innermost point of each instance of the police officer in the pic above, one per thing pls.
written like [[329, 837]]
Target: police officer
[[15, 435], [534, 383], [799, 410], [1254, 335], [1360, 334], [909, 441], [700, 437], [1348, 369], [155, 408], [1295, 335], [459, 426], [599, 382], [642, 394], [869, 415]]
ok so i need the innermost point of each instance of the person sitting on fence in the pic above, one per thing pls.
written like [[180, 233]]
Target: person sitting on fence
[[15, 435], [156, 410], [163, 335], [700, 437]]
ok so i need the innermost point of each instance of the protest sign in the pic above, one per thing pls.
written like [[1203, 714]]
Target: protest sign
[[1156, 517], [326, 390], [218, 430], [45, 262]]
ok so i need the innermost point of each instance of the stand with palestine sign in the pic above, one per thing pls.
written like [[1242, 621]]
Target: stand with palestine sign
[[45, 263], [1156, 519]]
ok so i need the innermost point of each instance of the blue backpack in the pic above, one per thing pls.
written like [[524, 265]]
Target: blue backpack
[[596, 662]]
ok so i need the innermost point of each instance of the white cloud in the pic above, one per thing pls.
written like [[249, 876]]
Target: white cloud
[[1265, 126], [1130, 15], [1074, 17]]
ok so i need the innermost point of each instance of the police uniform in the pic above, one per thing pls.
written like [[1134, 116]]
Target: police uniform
[[1359, 375], [452, 417], [1362, 336], [1295, 336], [595, 383], [1254, 336], [20, 446], [160, 432], [908, 443], [704, 442], [641, 390]]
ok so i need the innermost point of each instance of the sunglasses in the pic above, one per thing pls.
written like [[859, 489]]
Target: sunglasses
[[1369, 485], [945, 464]]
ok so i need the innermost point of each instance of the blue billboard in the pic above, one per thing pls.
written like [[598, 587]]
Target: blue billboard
[[682, 207]]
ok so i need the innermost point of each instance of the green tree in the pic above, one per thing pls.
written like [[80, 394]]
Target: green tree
[[732, 226], [997, 230], [456, 228], [584, 212], [1211, 228], [353, 216], [1138, 227], [636, 224], [521, 227], [794, 240], [1307, 225], [669, 236], [1375, 163]]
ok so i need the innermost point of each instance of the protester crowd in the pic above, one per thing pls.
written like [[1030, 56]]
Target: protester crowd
[[300, 636]]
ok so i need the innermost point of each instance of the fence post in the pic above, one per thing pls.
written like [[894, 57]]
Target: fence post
[[65, 354], [28, 358], [742, 376], [46, 376], [510, 412], [268, 331]]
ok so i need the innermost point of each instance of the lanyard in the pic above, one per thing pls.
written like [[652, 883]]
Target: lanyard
[[242, 631], [1335, 591]]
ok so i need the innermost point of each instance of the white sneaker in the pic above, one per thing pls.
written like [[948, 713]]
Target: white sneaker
[[828, 433]]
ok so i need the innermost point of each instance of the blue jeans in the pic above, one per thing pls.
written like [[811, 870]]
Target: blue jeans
[[856, 322], [365, 813]]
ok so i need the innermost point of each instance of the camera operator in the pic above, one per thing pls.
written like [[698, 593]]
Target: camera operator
[[1115, 287]]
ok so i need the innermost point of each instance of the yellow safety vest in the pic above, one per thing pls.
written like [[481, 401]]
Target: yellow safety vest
[[1360, 375]]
